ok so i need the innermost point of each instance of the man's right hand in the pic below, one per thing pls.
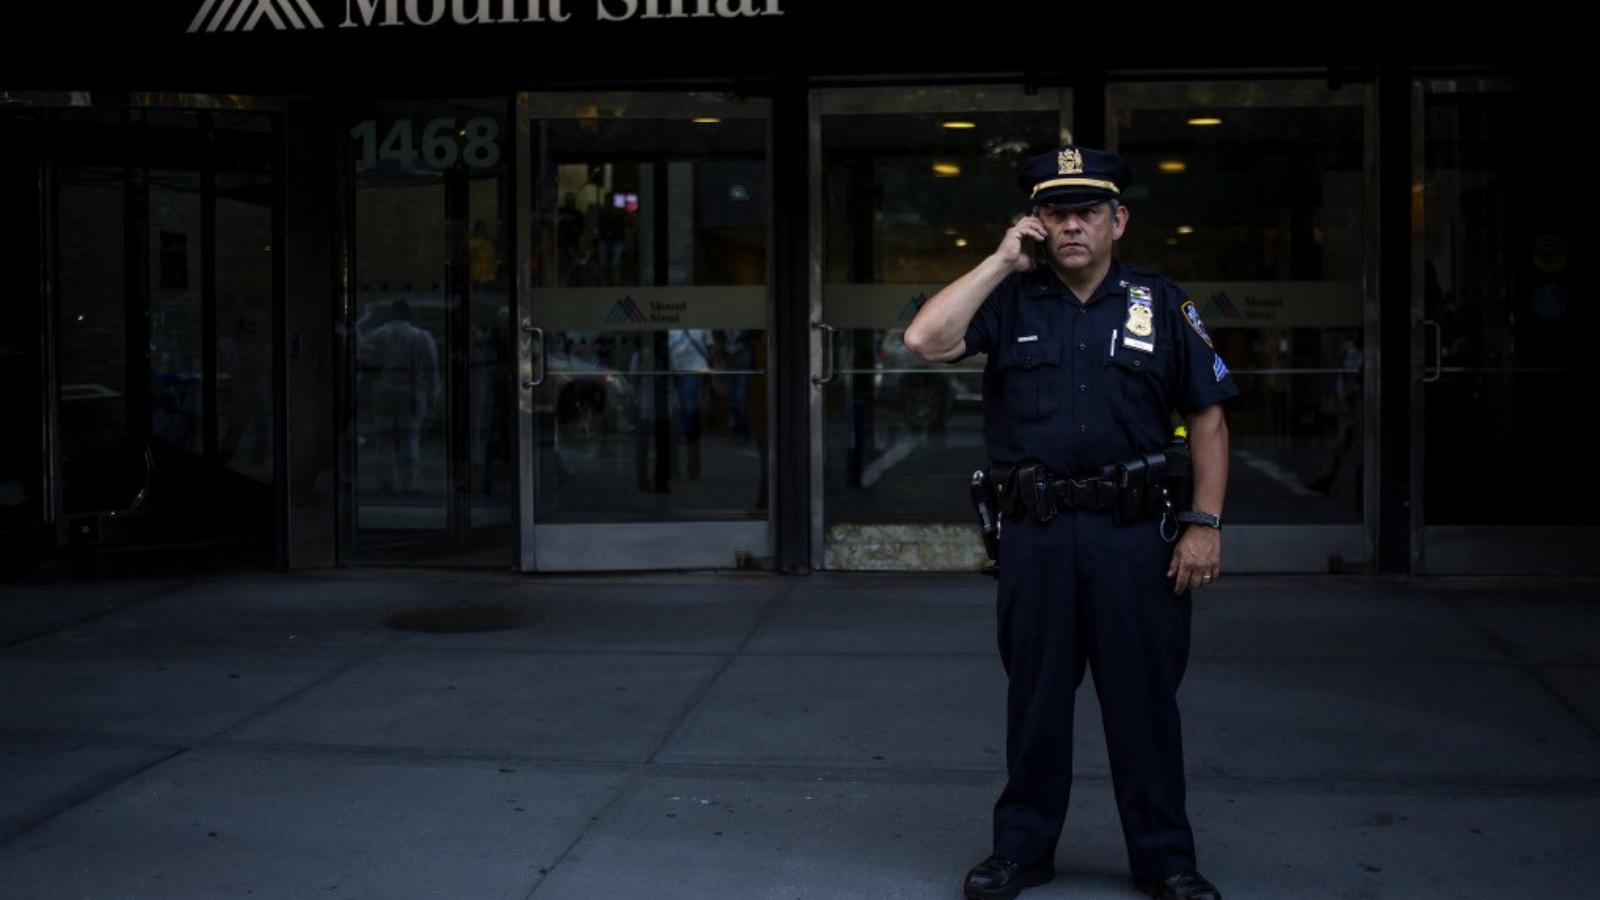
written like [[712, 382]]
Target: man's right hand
[[938, 332], [1014, 249]]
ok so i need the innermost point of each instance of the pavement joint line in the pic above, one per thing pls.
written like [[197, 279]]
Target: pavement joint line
[[634, 775], [154, 595], [7, 840], [1528, 670], [276, 703]]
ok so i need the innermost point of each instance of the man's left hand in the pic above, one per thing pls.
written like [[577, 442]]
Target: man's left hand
[[1196, 563]]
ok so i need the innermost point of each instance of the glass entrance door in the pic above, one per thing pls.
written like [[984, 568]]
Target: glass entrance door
[[431, 376], [644, 339], [1501, 483], [913, 187], [161, 286], [1256, 197]]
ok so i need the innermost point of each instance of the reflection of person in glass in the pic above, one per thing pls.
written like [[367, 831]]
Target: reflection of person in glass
[[1347, 396], [405, 364], [739, 356], [490, 373], [569, 231], [613, 226], [481, 264], [690, 349], [640, 361], [244, 391]]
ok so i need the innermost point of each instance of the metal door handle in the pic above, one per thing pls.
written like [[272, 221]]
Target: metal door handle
[[828, 354], [535, 330], [1433, 373]]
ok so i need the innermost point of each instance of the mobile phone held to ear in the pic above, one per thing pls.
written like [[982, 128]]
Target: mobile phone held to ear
[[1041, 259], [1032, 246]]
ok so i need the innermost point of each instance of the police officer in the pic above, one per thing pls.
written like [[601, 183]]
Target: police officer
[[1088, 358]]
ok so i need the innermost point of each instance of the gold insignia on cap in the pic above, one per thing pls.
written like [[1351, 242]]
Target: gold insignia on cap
[[1069, 162]]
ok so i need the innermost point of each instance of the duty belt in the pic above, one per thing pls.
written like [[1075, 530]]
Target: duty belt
[[1149, 486], [1033, 488], [1131, 491]]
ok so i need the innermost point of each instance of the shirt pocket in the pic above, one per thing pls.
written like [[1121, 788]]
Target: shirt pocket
[[1030, 374]]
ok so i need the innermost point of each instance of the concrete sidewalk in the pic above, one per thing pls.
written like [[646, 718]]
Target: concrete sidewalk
[[348, 734]]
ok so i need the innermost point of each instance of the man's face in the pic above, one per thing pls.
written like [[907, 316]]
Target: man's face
[[1080, 238]]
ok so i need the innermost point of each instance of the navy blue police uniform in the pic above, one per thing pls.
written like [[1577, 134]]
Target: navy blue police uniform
[[1076, 386]]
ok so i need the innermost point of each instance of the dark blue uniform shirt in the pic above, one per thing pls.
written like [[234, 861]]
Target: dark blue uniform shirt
[[1076, 386]]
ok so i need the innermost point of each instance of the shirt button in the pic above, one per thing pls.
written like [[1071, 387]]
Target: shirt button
[[1083, 346], [1083, 388], [1026, 360], [1137, 363], [1083, 429]]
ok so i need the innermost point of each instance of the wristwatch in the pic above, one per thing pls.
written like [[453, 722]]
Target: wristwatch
[[1200, 518]]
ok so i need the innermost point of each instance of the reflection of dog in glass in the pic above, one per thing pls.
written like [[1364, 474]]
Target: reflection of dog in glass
[[581, 410]]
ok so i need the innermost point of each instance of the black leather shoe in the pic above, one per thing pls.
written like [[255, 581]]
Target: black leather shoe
[[1190, 885], [1002, 879]]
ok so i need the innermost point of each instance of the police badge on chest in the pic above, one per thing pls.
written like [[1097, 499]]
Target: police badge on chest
[[1138, 330]]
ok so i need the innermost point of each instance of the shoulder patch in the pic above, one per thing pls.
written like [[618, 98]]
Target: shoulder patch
[[1191, 314]]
